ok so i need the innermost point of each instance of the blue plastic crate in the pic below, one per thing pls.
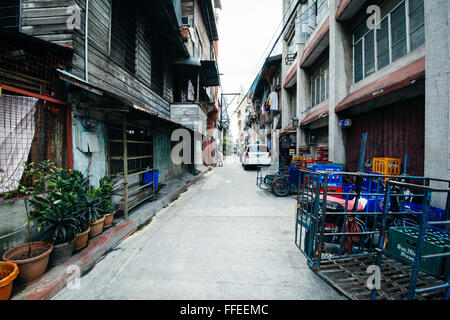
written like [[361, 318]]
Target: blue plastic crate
[[434, 214], [370, 183], [293, 175], [349, 188], [334, 180]]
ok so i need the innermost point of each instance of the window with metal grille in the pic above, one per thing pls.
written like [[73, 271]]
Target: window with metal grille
[[139, 150], [398, 30], [123, 33], [383, 55], [10, 14], [416, 23], [377, 48]]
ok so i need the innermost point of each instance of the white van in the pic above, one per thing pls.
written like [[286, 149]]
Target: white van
[[256, 155]]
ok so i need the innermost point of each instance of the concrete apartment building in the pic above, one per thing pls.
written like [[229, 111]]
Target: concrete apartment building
[[342, 79]]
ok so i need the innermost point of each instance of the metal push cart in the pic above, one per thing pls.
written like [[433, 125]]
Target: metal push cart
[[280, 181], [343, 235]]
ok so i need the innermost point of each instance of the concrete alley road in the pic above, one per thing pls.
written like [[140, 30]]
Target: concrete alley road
[[222, 239]]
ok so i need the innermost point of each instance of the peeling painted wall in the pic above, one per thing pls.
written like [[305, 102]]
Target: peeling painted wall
[[161, 155], [99, 164], [162, 150]]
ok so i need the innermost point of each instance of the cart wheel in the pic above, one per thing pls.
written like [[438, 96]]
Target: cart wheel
[[281, 187]]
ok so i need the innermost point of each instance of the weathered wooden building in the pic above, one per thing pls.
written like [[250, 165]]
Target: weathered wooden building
[[126, 80]]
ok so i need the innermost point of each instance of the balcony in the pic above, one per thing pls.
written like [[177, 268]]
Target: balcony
[[347, 9], [267, 117], [189, 115]]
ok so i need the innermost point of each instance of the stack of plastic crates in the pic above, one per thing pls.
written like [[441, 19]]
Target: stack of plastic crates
[[335, 181], [322, 154]]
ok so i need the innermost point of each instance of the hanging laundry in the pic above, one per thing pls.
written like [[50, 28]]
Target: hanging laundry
[[190, 95], [266, 107], [273, 101]]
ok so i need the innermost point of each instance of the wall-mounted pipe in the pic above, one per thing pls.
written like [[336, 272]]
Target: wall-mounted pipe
[[86, 42]]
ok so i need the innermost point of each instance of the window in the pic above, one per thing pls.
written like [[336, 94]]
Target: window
[[258, 148], [375, 49], [9, 14], [319, 85], [358, 60], [369, 53], [416, 23], [398, 30], [123, 34], [383, 55], [322, 9], [291, 49]]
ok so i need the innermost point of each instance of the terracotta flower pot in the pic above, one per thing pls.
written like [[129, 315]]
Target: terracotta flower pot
[[81, 239], [8, 272], [96, 227], [108, 220], [61, 252], [30, 270]]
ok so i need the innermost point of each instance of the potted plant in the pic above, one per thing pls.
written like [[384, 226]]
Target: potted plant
[[91, 212], [80, 185], [106, 190], [32, 257], [8, 272], [56, 213], [59, 224]]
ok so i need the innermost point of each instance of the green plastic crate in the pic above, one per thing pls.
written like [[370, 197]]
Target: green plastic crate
[[402, 244]]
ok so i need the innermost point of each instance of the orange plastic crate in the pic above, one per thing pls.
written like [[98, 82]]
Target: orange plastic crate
[[387, 166]]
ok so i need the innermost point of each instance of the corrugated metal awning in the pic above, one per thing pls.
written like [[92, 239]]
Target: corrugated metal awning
[[209, 73], [316, 115], [401, 78], [207, 69]]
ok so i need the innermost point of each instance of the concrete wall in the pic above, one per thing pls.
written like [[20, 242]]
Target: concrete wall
[[340, 70], [437, 92], [12, 231], [162, 158], [99, 164]]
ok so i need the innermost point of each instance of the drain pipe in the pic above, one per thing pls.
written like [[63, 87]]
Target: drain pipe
[[86, 43]]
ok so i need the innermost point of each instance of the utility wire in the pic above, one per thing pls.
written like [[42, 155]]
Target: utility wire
[[294, 11], [261, 59]]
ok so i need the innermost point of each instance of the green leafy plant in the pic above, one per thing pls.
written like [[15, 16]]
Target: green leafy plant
[[105, 191], [34, 181], [59, 223], [89, 208]]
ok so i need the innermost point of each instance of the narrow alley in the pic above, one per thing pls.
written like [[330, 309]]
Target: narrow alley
[[229, 241], [217, 150]]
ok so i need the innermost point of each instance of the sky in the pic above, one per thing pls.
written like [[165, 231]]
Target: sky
[[246, 28]]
